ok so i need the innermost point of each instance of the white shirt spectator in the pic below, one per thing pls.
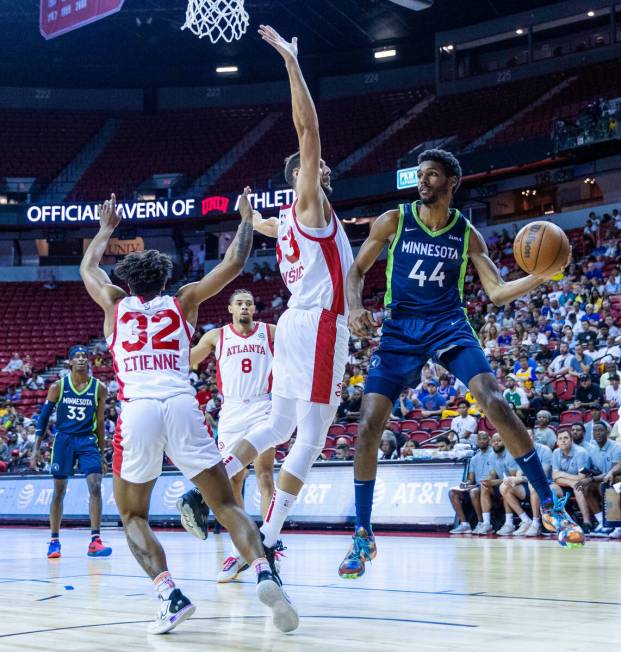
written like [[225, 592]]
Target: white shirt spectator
[[541, 339], [613, 394], [464, 425], [113, 386], [277, 301], [15, 364], [609, 353], [560, 362]]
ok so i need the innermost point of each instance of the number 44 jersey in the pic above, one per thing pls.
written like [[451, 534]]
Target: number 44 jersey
[[150, 348], [425, 269]]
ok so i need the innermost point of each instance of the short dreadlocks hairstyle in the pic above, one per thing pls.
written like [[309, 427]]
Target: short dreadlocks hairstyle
[[448, 162], [240, 291], [291, 162], [145, 272]]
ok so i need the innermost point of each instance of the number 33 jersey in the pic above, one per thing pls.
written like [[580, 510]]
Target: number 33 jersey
[[425, 269], [150, 348], [244, 362]]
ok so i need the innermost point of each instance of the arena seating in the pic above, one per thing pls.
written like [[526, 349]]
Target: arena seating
[[187, 141], [40, 143]]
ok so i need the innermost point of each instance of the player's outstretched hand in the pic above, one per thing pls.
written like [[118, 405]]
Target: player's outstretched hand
[[34, 461], [109, 217], [557, 274], [245, 209], [361, 323], [284, 48]]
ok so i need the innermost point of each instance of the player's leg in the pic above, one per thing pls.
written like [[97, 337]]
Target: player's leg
[[469, 364], [233, 563], [487, 494], [594, 500], [313, 423], [56, 514], [197, 457], [457, 496], [264, 471], [215, 488], [89, 461], [512, 497], [475, 499]]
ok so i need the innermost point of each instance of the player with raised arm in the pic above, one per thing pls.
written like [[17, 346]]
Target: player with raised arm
[[429, 245], [243, 351], [149, 337], [80, 401], [311, 344]]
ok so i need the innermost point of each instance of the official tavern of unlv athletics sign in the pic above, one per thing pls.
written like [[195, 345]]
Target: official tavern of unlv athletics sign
[[160, 210]]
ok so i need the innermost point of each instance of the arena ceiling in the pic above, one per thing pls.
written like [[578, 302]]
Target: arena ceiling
[[142, 45]]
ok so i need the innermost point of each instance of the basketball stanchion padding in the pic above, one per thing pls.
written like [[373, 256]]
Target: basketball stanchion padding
[[217, 19]]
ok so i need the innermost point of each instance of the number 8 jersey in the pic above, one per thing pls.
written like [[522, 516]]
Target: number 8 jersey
[[150, 347], [425, 269]]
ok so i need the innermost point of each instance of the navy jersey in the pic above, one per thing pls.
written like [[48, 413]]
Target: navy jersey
[[76, 412], [425, 269]]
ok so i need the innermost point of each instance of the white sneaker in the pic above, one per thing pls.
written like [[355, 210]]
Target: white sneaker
[[271, 594], [506, 530], [462, 528], [485, 528], [171, 613], [534, 530], [231, 568], [477, 529], [523, 529], [616, 533]]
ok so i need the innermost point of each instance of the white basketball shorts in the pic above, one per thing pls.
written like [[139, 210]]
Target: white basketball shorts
[[146, 428], [310, 354], [237, 417]]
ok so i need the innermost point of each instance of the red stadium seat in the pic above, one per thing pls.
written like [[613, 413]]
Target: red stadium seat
[[428, 424], [409, 425], [571, 416]]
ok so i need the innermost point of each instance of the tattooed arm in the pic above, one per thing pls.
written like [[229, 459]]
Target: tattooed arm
[[193, 294]]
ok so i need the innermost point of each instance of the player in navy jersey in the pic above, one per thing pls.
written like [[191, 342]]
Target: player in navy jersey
[[80, 401], [429, 244]]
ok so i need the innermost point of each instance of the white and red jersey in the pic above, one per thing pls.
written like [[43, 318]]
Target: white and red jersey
[[313, 262], [244, 362], [150, 348]]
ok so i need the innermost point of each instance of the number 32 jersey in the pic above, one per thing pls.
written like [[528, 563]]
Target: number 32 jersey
[[244, 362], [425, 269], [150, 348]]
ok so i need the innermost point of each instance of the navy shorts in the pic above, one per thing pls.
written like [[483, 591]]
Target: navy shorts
[[407, 344], [69, 448]]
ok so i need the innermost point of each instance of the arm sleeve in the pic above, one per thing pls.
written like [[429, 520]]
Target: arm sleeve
[[44, 417]]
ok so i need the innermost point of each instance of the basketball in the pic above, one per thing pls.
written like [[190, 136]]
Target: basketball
[[541, 247]]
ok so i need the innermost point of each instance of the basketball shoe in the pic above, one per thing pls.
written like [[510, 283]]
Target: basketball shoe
[[96, 548], [171, 612], [53, 551], [270, 592], [555, 518], [194, 513], [231, 568], [362, 549]]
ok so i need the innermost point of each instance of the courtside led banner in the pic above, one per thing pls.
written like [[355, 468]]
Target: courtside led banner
[[405, 493], [160, 210]]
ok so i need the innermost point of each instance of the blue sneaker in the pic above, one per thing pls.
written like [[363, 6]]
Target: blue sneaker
[[53, 551], [555, 518], [362, 549]]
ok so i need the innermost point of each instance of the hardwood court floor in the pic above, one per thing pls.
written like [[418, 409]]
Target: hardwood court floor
[[421, 593]]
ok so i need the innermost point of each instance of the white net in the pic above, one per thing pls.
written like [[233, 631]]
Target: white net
[[217, 19]]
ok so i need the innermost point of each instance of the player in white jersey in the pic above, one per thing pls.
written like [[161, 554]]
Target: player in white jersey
[[149, 336], [243, 350], [311, 343]]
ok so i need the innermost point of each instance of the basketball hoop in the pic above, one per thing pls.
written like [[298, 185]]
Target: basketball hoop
[[218, 19]]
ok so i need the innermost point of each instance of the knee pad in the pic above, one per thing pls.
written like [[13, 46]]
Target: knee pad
[[314, 420], [277, 430]]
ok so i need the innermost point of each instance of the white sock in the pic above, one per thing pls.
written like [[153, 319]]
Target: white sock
[[465, 523], [600, 517], [164, 585], [509, 519], [487, 518], [276, 515], [537, 521], [525, 518], [232, 465]]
